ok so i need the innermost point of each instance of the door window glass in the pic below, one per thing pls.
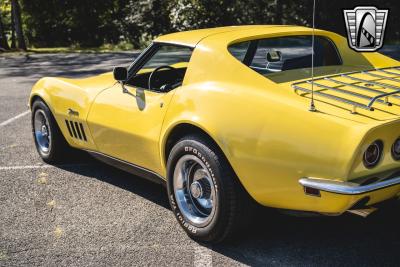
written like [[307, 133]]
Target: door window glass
[[172, 62]]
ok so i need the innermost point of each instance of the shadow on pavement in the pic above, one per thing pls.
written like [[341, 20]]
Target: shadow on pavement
[[276, 239], [87, 166]]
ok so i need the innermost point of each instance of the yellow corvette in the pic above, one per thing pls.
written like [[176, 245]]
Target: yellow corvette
[[221, 116]]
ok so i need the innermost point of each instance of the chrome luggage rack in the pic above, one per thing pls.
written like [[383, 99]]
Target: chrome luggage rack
[[360, 84]]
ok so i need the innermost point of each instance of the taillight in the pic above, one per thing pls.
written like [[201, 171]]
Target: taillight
[[373, 154], [396, 149]]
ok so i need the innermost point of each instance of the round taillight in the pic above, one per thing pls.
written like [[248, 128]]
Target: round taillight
[[396, 149], [373, 154]]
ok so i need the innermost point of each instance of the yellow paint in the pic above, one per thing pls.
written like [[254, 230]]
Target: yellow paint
[[3, 255], [51, 203], [43, 174], [262, 126], [42, 178], [58, 232]]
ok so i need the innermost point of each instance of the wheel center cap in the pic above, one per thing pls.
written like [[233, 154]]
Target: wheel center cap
[[196, 190], [44, 130]]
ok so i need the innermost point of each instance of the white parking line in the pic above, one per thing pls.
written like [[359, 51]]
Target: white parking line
[[26, 167], [4, 123], [202, 256]]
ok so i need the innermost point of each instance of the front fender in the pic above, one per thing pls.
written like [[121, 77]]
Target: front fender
[[40, 90], [63, 95]]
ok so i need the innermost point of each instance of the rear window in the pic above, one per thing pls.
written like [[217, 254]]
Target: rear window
[[285, 53], [239, 50]]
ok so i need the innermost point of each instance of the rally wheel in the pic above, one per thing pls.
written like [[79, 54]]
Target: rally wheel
[[204, 193], [49, 141]]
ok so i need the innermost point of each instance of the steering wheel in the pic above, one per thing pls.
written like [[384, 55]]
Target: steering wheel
[[157, 69]]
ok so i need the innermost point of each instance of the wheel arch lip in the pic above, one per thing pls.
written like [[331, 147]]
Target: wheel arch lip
[[207, 132], [39, 90], [172, 129], [198, 128], [38, 95]]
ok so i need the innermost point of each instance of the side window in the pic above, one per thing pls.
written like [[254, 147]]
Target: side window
[[173, 60], [168, 55], [292, 52], [239, 50]]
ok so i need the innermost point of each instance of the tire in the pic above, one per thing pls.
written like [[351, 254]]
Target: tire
[[57, 149], [194, 157]]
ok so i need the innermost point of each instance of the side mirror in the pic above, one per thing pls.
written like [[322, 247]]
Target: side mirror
[[274, 56], [120, 74]]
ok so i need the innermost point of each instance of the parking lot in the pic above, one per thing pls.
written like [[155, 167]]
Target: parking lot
[[85, 213]]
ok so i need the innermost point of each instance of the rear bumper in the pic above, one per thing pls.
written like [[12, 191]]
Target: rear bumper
[[334, 197], [346, 188]]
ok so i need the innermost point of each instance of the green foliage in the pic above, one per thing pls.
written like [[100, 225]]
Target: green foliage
[[56, 22], [5, 8], [88, 23], [145, 19], [188, 14]]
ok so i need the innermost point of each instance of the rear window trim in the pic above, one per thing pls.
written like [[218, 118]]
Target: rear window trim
[[253, 45]]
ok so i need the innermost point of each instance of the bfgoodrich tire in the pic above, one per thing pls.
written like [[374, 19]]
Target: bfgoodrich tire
[[204, 193], [49, 141]]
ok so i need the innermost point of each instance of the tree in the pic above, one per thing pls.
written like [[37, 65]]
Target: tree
[[89, 23], [17, 22], [145, 19], [3, 38], [278, 12], [12, 25]]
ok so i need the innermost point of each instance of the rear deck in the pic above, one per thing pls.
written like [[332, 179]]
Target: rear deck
[[355, 90]]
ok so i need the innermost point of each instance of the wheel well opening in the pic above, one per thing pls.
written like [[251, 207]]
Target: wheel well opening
[[34, 98], [186, 129], [180, 131]]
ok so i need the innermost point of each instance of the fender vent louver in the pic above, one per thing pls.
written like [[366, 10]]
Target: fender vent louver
[[76, 130]]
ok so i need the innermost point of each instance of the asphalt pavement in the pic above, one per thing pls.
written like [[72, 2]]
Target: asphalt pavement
[[85, 213]]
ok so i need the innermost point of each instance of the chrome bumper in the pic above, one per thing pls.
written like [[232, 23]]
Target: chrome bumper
[[346, 188]]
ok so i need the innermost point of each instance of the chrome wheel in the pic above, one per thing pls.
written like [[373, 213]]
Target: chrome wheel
[[42, 131], [194, 190]]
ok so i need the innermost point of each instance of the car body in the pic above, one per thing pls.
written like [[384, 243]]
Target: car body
[[284, 156]]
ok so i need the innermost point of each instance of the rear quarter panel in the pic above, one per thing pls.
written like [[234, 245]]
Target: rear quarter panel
[[269, 140]]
